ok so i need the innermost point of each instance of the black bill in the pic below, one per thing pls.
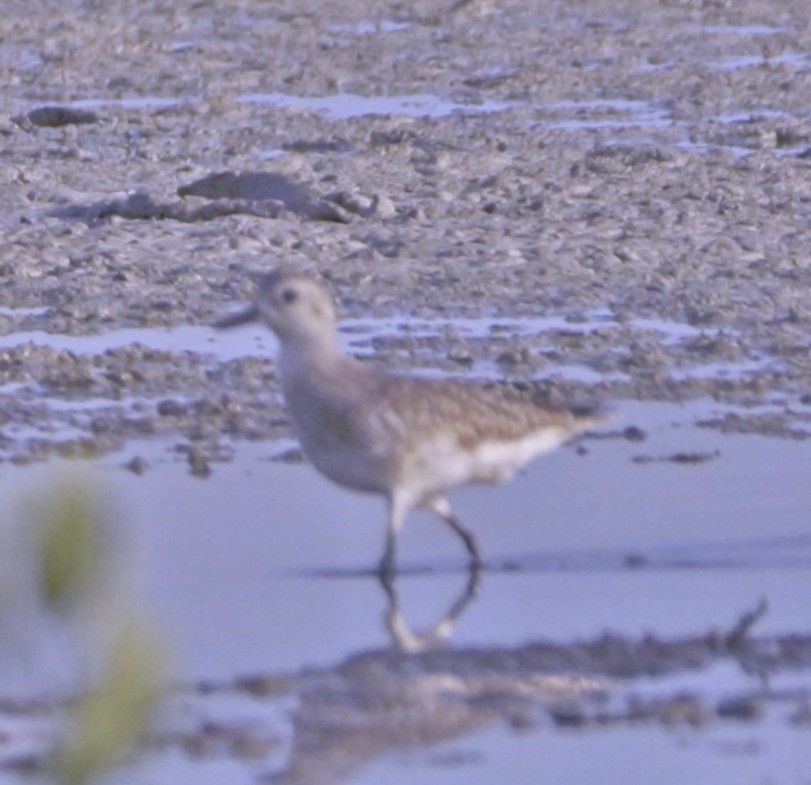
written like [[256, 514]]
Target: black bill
[[241, 317]]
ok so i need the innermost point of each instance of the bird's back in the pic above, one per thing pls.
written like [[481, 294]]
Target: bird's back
[[376, 431], [454, 432]]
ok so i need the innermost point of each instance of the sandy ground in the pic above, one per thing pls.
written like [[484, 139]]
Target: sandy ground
[[636, 171]]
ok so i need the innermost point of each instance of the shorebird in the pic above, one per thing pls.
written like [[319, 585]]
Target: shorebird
[[409, 439]]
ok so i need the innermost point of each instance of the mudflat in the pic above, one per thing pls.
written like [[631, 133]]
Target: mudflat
[[589, 201]]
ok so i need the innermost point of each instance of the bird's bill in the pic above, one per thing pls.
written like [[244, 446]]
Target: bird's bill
[[240, 317]]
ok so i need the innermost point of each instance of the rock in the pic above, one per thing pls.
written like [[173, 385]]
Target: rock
[[137, 465], [58, 116], [263, 186]]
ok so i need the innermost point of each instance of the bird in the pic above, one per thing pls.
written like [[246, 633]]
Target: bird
[[410, 439]]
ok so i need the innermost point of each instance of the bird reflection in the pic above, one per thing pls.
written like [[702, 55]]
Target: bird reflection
[[418, 692], [437, 635]]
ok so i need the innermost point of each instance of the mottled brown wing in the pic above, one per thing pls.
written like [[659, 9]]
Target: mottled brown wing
[[416, 408]]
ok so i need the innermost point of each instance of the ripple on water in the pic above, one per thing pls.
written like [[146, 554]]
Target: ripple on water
[[344, 106], [360, 336]]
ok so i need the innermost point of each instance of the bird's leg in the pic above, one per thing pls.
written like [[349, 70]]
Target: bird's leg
[[436, 636], [441, 506], [397, 510]]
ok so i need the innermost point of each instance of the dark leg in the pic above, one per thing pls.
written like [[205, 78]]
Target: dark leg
[[436, 636], [442, 508]]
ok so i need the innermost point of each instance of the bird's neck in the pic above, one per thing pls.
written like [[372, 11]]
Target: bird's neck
[[309, 355]]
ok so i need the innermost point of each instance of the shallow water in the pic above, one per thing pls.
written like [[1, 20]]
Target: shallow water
[[355, 335], [345, 106], [130, 102], [796, 59], [605, 113], [637, 116], [265, 568], [47, 416], [613, 757]]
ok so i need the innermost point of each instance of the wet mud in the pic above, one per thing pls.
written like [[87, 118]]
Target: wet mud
[[641, 163], [588, 201], [418, 694]]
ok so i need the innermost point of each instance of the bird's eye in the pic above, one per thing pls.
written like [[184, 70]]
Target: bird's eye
[[289, 295]]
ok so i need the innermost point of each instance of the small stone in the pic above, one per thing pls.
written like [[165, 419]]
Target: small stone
[[385, 207], [739, 708], [633, 433], [568, 716], [461, 357], [261, 686], [171, 408], [137, 465], [57, 116], [693, 457], [198, 463]]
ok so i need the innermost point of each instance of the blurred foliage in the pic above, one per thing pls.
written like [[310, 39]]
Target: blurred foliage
[[70, 548], [112, 717], [121, 662]]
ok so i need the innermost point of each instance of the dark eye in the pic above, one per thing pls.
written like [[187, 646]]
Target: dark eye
[[289, 295]]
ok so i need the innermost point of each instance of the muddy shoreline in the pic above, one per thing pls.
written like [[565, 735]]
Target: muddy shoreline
[[590, 201], [642, 163]]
